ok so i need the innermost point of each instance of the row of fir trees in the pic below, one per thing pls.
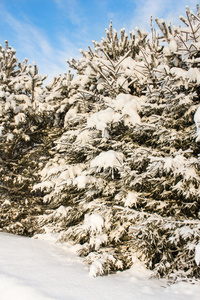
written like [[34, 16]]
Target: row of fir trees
[[109, 158]]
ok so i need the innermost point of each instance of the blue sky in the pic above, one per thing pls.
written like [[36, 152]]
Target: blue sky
[[50, 31]]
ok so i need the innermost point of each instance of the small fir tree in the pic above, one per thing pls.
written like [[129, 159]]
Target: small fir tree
[[22, 137]]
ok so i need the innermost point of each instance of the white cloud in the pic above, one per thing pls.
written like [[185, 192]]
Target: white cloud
[[32, 42], [72, 9], [169, 10]]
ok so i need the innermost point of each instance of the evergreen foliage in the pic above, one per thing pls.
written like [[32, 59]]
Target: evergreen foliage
[[22, 136], [122, 177]]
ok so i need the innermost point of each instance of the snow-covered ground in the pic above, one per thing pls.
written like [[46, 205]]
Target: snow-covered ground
[[39, 269]]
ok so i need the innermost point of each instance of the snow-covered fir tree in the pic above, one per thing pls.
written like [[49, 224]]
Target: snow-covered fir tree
[[57, 93], [108, 70], [123, 179], [22, 136]]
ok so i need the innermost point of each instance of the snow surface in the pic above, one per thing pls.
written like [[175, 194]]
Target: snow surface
[[39, 269]]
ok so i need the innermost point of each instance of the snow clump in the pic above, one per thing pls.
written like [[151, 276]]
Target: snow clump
[[197, 123], [94, 222], [109, 159], [197, 254]]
